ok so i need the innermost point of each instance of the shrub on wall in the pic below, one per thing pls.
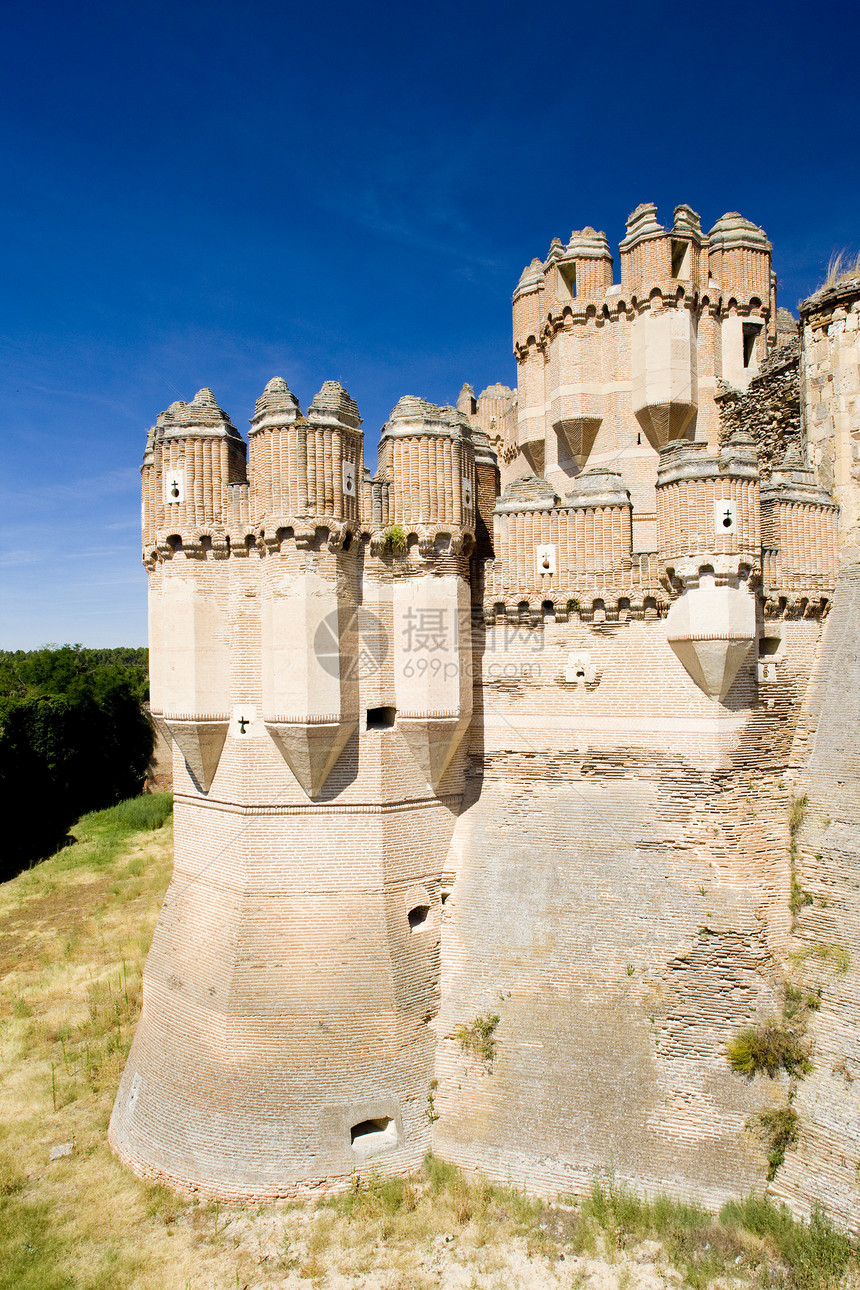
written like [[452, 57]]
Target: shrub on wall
[[767, 1050]]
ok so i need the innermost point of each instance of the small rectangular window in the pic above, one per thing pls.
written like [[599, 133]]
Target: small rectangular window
[[371, 1136], [751, 331], [680, 259], [380, 718], [566, 282]]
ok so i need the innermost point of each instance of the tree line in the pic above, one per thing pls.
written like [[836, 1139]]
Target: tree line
[[73, 738]]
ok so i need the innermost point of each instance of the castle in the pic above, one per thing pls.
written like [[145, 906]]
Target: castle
[[485, 764]]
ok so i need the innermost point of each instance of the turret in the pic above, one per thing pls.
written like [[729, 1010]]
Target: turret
[[799, 534], [653, 257], [662, 272], [305, 473], [558, 351], [709, 533], [193, 453], [427, 457], [580, 275], [740, 270]]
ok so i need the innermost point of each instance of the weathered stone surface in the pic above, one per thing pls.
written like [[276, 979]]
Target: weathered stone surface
[[769, 410]]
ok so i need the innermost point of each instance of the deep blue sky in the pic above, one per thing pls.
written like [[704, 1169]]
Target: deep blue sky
[[215, 194]]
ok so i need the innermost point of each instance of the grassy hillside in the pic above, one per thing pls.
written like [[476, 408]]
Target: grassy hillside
[[74, 932]]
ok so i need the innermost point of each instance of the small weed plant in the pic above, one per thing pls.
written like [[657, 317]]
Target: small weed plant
[[479, 1038], [834, 956], [779, 1130], [394, 542], [798, 897]]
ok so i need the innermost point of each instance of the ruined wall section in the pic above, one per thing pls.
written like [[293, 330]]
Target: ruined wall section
[[619, 898], [769, 410]]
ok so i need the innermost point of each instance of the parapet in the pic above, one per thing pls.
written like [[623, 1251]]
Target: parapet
[[655, 257], [799, 535], [550, 552], [193, 454], [305, 472], [426, 478], [708, 507]]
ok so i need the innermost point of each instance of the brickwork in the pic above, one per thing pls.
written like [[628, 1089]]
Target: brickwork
[[620, 903], [511, 728]]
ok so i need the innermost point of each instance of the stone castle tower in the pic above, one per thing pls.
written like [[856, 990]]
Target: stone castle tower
[[508, 730]]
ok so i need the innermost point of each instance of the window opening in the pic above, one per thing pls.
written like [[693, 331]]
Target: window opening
[[380, 718], [373, 1135], [680, 258], [566, 282], [418, 916], [751, 331]]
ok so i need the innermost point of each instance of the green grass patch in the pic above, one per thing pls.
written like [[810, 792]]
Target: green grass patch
[[835, 956], [753, 1238], [816, 1255], [100, 836], [32, 1254]]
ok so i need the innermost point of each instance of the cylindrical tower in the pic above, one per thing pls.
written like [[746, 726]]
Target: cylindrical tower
[[739, 262], [661, 272], [427, 455]]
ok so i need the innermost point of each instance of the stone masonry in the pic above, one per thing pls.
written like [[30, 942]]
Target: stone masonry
[[504, 739]]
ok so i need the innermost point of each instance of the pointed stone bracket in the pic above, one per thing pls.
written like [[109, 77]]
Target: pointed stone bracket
[[433, 738], [711, 630], [201, 741], [713, 662], [311, 746]]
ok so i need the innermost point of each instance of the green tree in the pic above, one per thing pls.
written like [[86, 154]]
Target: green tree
[[73, 738]]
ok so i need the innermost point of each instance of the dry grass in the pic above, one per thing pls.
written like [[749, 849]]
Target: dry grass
[[75, 932], [841, 268]]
